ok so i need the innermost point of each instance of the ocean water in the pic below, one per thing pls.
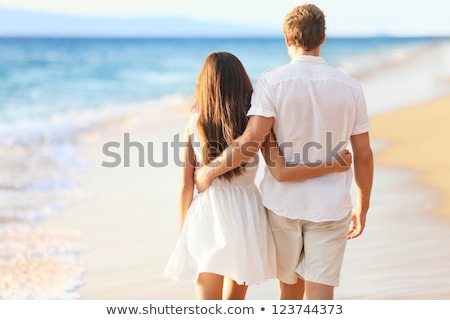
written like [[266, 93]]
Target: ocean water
[[52, 90]]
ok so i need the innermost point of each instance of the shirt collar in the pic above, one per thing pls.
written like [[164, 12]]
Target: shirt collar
[[308, 59]]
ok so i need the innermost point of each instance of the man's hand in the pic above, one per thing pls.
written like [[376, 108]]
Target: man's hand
[[358, 223], [201, 178]]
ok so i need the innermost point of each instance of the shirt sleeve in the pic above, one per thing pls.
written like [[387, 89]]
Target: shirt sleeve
[[261, 102], [362, 123]]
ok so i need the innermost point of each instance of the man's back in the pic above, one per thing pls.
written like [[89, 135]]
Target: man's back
[[316, 108]]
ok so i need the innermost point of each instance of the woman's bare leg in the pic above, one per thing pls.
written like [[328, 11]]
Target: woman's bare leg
[[233, 291], [209, 286]]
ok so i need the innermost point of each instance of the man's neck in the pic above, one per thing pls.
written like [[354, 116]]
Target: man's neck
[[299, 51]]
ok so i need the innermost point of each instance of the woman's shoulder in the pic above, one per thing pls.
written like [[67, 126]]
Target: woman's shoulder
[[194, 115], [192, 121]]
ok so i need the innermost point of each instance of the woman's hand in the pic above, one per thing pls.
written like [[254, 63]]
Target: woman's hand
[[343, 161]]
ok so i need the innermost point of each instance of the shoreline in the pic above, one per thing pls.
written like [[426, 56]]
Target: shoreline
[[416, 138]]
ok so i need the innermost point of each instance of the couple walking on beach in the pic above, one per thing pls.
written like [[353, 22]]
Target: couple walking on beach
[[301, 117]]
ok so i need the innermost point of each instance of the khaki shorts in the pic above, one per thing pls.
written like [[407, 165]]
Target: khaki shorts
[[313, 251]]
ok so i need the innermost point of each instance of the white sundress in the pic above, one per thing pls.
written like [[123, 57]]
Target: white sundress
[[225, 232]]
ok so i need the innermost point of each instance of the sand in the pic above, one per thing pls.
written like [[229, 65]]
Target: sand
[[418, 141], [130, 223]]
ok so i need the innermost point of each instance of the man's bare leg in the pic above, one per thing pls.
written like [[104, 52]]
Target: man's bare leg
[[292, 291], [317, 291]]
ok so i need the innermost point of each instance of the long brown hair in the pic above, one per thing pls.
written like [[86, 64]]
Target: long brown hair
[[223, 94]]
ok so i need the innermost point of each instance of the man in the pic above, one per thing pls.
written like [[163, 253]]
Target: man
[[314, 110]]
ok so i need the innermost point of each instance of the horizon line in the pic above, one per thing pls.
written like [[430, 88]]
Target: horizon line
[[218, 36], [49, 24]]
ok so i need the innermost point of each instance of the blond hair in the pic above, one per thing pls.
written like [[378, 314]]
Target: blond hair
[[304, 26]]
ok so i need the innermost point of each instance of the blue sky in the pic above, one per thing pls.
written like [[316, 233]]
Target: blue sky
[[344, 17]]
